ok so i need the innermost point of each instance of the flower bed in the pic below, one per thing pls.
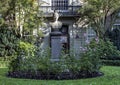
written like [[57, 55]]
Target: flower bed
[[58, 76]]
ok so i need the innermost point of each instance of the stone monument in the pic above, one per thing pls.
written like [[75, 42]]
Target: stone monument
[[55, 37]]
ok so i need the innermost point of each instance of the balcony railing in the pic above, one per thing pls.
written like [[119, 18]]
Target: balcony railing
[[68, 11]]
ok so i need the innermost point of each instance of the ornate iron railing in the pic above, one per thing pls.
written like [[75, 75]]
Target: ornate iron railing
[[68, 11]]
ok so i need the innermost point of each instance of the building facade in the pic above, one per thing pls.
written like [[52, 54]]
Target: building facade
[[73, 37]]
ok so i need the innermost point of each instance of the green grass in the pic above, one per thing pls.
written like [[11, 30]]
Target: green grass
[[111, 77]]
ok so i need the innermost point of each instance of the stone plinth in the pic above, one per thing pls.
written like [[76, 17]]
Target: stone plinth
[[56, 45]]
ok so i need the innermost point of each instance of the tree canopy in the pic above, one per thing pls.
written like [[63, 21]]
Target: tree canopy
[[19, 12], [17, 17], [99, 14]]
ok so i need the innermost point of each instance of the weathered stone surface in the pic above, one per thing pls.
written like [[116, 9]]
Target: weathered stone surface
[[55, 47]]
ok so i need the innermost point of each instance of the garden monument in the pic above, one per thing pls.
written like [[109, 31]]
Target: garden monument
[[55, 37]]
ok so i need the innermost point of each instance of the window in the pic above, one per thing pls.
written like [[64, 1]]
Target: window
[[59, 4]]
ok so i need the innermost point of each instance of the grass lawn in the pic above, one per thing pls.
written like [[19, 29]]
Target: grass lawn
[[111, 77]]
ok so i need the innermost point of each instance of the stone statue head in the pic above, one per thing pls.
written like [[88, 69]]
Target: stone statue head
[[56, 25], [56, 15]]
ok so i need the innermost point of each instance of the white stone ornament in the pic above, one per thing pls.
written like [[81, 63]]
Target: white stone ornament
[[56, 25]]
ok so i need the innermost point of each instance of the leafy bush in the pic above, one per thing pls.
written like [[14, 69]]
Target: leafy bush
[[90, 60], [71, 62], [111, 60], [8, 41], [42, 67], [36, 62], [26, 49], [111, 54], [23, 58], [95, 51]]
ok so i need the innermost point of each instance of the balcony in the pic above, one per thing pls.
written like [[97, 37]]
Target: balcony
[[69, 11]]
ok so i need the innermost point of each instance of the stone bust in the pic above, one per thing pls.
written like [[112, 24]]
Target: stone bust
[[56, 15], [56, 25]]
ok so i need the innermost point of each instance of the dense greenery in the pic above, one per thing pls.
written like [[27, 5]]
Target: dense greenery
[[95, 51], [104, 51], [20, 12], [114, 36], [25, 51], [18, 20], [8, 42], [28, 61], [99, 14]]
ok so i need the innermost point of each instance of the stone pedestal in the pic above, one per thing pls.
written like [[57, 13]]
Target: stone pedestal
[[56, 46]]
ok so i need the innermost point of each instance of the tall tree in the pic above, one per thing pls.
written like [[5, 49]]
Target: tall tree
[[20, 14], [15, 15], [27, 15], [100, 14]]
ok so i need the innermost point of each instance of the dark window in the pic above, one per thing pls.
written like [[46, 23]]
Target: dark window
[[60, 4]]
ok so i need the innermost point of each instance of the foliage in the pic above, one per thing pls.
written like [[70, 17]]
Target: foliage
[[8, 41], [70, 62], [28, 15], [91, 58], [40, 66], [37, 62], [24, 15], [29, 20], [26, 49], [99, 14], [112, 57], [114, 36], [111, 62], [4, 5], [24, 55], [18, 18], [104, 48]]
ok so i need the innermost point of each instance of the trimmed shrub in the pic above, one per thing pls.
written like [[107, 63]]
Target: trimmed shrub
[[111, 62], [114, 57]]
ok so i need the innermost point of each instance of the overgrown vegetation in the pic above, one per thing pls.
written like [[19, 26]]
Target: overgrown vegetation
[[105, 50], [18, 20], [31, 62]]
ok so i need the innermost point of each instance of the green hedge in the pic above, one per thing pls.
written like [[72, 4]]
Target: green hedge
[[111, 62], [111, 58]]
